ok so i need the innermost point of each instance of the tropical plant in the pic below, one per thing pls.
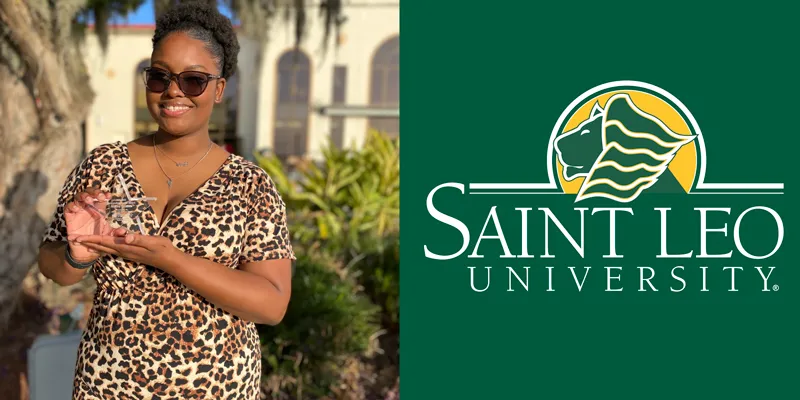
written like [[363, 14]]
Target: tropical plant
[[329, 323], [346, 201], [379, 272], [346, 206]]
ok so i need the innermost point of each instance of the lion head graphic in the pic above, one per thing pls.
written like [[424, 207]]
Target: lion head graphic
[[620, 151]]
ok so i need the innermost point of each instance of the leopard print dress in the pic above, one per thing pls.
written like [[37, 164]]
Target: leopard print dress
[[151, 337]]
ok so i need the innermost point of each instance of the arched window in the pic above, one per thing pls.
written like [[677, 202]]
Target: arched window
[[385, 85], [144, 124], [292, 108]]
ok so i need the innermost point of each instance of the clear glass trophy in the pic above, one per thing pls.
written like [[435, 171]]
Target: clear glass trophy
[[125, 211]]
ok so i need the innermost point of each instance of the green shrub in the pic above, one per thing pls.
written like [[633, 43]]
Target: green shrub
[[344, 209], [348, 206], [329, 320], [379, 272]]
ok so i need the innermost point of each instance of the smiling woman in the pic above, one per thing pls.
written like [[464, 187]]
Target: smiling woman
[[175, 311]]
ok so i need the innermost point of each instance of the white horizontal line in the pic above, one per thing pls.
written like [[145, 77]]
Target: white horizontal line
[[741, 186], [516, 193], [736, 193], [512, 186], [676, 193], [703, 186]]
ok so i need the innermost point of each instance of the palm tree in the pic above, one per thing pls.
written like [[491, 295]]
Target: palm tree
[[45, 97]]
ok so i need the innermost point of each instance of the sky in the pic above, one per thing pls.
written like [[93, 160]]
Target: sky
[[144, 15]]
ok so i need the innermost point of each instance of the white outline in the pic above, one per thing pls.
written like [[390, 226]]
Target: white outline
[[643, 183], [596, 113], [701, 184]]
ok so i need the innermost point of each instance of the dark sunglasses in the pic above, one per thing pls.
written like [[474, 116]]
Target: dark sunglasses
[[191, 83]]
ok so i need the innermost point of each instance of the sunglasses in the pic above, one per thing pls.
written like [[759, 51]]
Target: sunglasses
[[191, 83]]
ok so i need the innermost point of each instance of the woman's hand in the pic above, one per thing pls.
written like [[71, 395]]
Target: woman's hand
[[82, 219], [157, 251]]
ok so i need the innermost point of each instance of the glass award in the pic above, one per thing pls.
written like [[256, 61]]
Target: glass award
[[124, 210]]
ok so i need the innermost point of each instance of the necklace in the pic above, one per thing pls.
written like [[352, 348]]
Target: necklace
[[169, 178], [177, 164]]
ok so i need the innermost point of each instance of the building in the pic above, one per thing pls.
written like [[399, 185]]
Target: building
[[281, 100]]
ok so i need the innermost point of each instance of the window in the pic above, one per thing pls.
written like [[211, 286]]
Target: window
[[291, 113], [385, 85], [144, 124]]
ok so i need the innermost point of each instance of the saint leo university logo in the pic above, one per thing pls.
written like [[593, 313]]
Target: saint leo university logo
[[621, 139]]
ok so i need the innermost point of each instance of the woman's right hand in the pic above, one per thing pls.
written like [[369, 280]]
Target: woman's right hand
[[81, 219]]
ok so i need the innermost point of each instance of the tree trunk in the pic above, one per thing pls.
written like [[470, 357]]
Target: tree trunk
[[44, 102]]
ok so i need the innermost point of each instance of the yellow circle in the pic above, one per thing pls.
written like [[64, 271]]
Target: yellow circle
[[683, 166]]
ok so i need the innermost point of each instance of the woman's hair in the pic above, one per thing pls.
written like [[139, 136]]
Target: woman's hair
[[203, 22]]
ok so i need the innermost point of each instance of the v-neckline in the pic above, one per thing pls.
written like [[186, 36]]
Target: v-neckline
[[160, 223]]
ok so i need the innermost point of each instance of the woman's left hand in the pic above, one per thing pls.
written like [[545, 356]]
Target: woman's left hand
[[156, 251]]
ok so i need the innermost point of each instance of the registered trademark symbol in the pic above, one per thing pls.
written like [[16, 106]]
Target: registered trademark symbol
[[775, 288]]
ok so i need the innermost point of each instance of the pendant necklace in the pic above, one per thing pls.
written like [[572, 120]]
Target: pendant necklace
[[169, 178], [177, 164]]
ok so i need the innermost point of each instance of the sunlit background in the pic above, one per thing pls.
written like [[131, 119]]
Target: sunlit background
[[320, 116], [290, 104]]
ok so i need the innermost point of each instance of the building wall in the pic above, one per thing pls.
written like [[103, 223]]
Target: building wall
[[369, 24], [113, 77]]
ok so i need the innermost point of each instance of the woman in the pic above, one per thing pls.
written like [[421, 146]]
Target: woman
[[176, 305]]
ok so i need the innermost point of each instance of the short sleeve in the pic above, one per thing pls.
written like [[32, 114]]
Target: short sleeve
[[266, 234], [76, 182]]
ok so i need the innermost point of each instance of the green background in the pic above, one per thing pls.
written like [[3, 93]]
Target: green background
[[482, 85]]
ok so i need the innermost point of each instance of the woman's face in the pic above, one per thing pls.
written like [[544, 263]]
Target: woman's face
[[176, 112]]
